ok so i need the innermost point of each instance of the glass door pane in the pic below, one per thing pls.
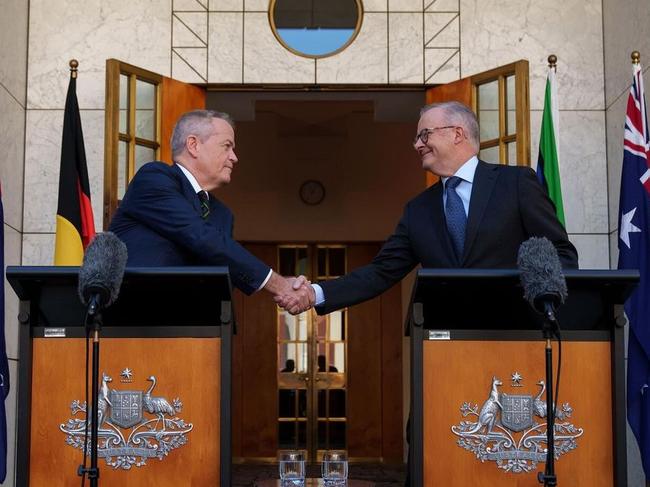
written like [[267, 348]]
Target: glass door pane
[[312, 360]]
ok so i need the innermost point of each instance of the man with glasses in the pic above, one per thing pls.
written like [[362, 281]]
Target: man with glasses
[[476, 216]]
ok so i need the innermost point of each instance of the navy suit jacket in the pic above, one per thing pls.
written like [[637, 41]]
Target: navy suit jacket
[[507, 206], [160, 222]]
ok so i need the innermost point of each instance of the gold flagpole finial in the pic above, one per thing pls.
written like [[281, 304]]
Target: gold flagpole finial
[[552, 62], [636, 57], [74, 64]]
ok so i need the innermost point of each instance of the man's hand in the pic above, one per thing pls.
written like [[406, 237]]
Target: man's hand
[[294, 294], [300, 297]]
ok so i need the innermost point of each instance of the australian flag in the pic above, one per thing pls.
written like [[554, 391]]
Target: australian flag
[[4, 365], [634, 253]]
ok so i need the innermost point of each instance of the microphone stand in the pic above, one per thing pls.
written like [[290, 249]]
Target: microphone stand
[[548, 478], [94, 324]]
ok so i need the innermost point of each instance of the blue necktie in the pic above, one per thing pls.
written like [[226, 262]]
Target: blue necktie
[[455, 214]]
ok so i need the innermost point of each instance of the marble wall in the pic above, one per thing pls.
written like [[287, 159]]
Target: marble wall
[[400, 41]]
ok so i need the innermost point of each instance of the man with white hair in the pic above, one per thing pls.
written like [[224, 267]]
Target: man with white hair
[[169, 215]]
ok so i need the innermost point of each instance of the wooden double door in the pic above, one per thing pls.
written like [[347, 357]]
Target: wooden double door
[[316, 383]]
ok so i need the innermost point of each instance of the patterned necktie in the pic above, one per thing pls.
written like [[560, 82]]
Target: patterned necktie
[[205, 204], [455, 214]]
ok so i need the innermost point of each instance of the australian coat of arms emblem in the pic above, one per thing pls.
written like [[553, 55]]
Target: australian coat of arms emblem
[[509, 429], [132, 425]]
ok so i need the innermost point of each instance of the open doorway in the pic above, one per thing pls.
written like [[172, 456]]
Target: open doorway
[[358, 154]]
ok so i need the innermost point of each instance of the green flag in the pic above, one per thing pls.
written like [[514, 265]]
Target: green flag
[[548, 169]]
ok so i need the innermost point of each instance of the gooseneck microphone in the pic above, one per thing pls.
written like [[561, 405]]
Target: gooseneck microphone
[[541, 275], [100, 276]]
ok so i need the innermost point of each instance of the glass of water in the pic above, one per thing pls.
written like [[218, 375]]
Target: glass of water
[[335, 467], [292, 467]]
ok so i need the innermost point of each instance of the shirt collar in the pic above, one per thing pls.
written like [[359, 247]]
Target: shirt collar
[[466, 171], [190, 177]]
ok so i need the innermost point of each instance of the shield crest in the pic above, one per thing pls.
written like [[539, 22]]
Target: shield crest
[[126, 408], [517, 413]]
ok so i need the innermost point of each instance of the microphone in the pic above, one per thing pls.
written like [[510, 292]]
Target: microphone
[[541, 275], [100, 276]]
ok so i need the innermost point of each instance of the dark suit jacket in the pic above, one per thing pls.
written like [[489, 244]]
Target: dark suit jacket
[[507, 206], [160, 222]]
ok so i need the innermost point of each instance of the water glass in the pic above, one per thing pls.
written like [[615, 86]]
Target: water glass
[[292, 466], [335, 468]]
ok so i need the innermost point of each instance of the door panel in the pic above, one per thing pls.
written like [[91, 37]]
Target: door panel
[[177, 98], [371, 375], [392, 337], [364, 342], [460, 90], [254, 357]]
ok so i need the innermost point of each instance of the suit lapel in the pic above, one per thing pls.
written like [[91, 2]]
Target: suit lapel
[[439, 221], [187, 190], [484, 180]]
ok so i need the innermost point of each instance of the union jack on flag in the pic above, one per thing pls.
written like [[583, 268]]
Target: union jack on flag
[[634, 253]]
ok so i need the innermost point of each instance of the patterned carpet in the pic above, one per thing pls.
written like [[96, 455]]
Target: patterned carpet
[[383, 475]]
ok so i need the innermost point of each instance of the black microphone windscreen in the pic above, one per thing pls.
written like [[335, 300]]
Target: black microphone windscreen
[[541, 270], [103, 268]]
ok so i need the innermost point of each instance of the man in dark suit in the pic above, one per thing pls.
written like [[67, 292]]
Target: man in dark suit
[[169, 215], [476, 216]]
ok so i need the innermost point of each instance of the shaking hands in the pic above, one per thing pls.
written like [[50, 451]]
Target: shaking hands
[[297, 297], [294, 294]]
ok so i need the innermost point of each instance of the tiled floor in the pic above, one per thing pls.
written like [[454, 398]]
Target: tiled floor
[[383, 475]]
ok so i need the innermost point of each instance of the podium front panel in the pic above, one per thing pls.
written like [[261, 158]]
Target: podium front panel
[[465, 376], [187, 374]]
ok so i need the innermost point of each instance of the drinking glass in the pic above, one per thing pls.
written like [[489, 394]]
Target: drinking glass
[[292, 466], [335, 468]]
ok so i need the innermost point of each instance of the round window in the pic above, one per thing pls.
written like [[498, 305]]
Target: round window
[[315, 28]]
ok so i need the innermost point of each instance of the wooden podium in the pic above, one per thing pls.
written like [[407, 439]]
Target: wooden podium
[[478, 414], [165, 365]]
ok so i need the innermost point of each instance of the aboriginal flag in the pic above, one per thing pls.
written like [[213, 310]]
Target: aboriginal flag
[[74, 216]]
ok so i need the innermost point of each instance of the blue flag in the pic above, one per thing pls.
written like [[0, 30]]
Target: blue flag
[[4, 364], [634, 253]]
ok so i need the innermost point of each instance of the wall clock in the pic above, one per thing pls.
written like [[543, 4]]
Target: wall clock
[[312, 192]]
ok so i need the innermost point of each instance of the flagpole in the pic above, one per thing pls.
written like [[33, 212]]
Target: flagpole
[[552, 62]]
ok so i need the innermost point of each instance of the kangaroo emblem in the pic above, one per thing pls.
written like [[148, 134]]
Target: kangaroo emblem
[[488, 415]]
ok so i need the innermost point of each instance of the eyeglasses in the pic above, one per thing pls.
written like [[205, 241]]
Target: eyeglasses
[[423, 134]]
